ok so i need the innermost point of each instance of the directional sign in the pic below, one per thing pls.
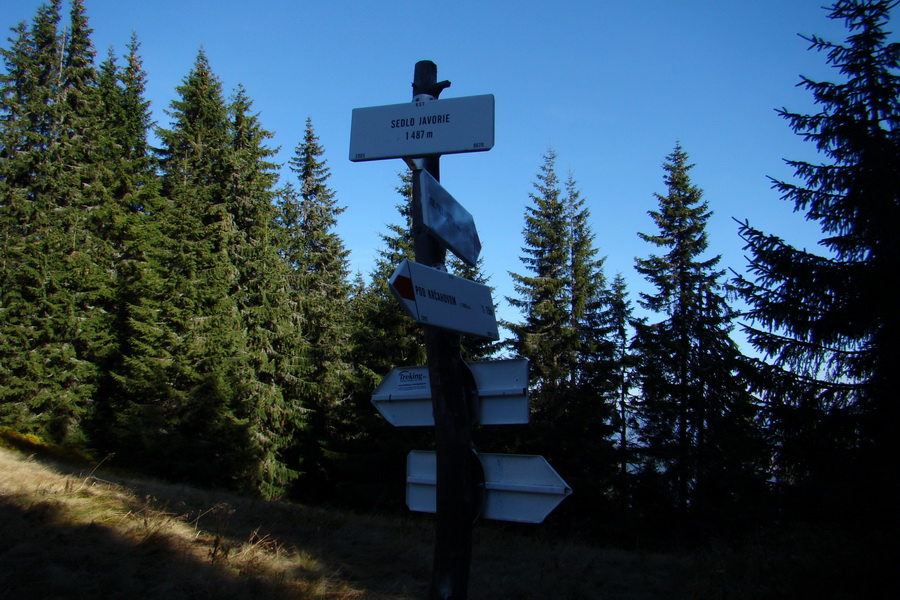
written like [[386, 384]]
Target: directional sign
[[422, 128], [404, 396], [437, 298], [447, 220], [518, 487]]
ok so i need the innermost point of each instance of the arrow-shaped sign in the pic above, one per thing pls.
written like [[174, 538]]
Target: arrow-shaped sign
[[435, 297], [518, 487], [404, 396], [447, 220]]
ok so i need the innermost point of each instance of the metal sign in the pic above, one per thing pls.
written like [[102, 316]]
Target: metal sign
[[447, 220], [404, 396], [437, 298], [422, 128], [518, 487]]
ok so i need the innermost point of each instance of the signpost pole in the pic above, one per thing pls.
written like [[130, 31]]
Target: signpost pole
[[453, 395]]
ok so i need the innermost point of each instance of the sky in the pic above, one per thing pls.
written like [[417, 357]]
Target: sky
[[610, 86]]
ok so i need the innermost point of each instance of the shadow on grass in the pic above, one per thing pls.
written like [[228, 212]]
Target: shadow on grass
[[41, 556], [227, 553]]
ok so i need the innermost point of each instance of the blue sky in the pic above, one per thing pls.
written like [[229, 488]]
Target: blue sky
[[611, 86]]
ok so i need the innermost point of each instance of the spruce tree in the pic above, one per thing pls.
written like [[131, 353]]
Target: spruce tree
[[615, 322], [321, 292], [561, 299], [32, 398], [545, 337], [58, 319], [688, 365], [137, 374], [383, 338], [590, 345], [826, 321], [201, 409], [581, 428], [273, 393]]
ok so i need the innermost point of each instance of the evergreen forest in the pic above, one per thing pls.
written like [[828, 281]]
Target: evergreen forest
[[171, 301]]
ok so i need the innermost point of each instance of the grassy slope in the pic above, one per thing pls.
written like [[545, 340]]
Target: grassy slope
[[66, 533]]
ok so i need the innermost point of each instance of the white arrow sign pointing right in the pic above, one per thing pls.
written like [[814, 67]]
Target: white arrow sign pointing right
[[518, 487], [435, 297]]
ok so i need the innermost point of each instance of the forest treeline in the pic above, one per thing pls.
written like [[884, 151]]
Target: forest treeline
[[165, 298]]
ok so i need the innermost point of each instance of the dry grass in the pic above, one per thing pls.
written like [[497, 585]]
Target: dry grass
[[71, 534]]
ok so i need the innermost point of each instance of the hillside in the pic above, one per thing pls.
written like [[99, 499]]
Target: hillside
[[72, 533]]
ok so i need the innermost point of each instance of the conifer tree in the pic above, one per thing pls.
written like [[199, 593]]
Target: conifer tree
[[123, 420], [561, 300], [545, 337], [827, 322], [274, 394], [321, 292], [615, 323], [31, 397], [590, 345], [202, 405], [60, 315], [131, 230], [582, 427], [688, 364]]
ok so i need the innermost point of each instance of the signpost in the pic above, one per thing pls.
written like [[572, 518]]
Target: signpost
[[454, 482], [518, 487], [404, 396], [422, 128], [437, 298], [448, 221]]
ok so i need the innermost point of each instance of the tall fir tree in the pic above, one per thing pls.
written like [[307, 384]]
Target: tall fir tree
[[561, 299], [827, 323], [615, 323], [33, 398], [690, 393], [383, 338], [131, 230], [320, 285], [274, 392], [591, 345], [200, 409], [546, 335], [59, 318], [138, 374]]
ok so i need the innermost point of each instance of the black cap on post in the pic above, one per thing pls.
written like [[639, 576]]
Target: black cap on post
[[425, 80]]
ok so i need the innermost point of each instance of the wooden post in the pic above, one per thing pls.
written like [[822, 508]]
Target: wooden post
[[453, 392]]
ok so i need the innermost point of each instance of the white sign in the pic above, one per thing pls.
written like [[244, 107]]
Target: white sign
[[422, 128], [447, 220], [404, 396], [437, 298], [518, 487]]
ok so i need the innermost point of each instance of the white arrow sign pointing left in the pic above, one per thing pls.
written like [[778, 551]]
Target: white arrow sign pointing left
[[404, 395]]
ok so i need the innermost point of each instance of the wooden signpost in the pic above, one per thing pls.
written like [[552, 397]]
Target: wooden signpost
[[454, 481]]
